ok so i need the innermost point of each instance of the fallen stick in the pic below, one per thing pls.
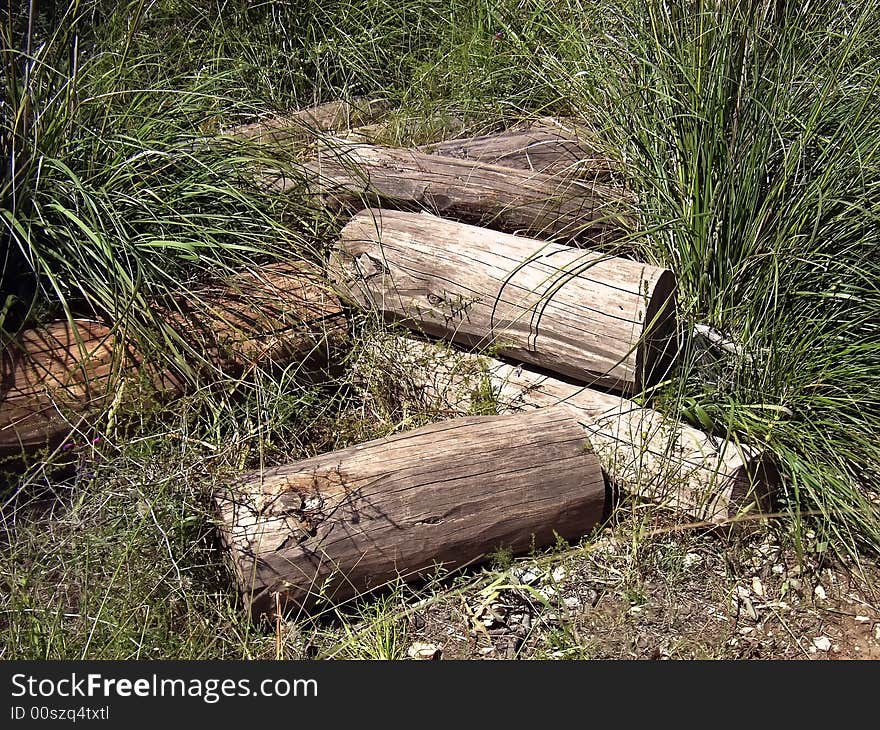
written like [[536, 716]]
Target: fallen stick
[[448, 494], [643, 452], [599, 319], [57, 377]]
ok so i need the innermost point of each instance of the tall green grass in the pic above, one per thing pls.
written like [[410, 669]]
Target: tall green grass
[[113, 204], [751, 133]]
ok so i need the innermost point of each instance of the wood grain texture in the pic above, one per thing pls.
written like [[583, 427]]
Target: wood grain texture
[[303, 124], [448, 494], [349, 176], [58, 377], [543, 148], [599, 319], [642, 452]]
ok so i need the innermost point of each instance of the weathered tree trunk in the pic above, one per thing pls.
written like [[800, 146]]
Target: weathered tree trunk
[[59, 376], [643, 452], [599, 319], [447, 494], [350, 176], [551, 150], [303, 124]]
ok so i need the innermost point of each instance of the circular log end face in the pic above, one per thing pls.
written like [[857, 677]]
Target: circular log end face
[[659, 344]]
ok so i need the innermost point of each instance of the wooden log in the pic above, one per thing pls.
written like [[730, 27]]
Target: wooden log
[[551, 150], [349, 176], [642, 452], [60, 376], [446, 494], [599, 319], [303, 124]]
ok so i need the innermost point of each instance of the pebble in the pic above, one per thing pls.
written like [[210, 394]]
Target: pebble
[[571, 602], [692, 559], [525, 576], [422, 650], [822, 643], [862, 619], [820, 592], [558, 574], [757, 587]]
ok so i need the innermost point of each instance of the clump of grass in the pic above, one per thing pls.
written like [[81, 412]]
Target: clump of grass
[[749, 132], [113, 204]]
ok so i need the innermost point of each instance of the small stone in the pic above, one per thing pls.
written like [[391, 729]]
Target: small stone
[[750, 609], [862, 619], [485, 650], [778, 569], [692, 559], [423, 651], [571, 602], [822, 643], [742, 592], [819, 591], [558, 574], [757, 587], [525, 576]]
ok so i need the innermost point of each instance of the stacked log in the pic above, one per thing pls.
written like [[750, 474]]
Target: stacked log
[[305, 123], [349, 176], [59, 376], [644, 453], [599, 319], [544, 148], [448, 494]]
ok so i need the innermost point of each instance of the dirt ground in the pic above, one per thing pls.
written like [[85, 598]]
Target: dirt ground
[[667, 593]]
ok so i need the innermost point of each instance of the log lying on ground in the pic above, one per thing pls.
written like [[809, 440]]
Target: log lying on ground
[[303, 124], [643, 453], [595, 318], [450, 493], [551, 150], [348, 176], [56, 378]]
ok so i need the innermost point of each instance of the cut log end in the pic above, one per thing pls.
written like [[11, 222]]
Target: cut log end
[[598, 319], [658, 345]]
